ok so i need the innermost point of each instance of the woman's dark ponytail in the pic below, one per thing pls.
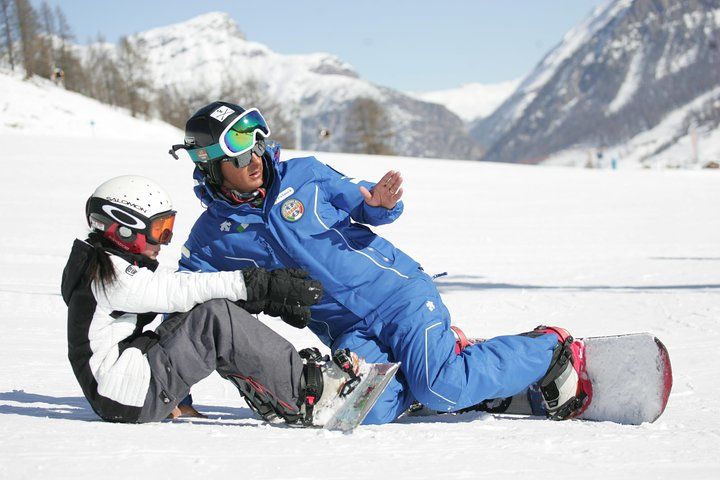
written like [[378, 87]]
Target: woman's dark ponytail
[[101, 269]]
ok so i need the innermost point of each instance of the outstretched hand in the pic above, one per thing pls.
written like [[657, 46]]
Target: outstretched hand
[[386, 193]]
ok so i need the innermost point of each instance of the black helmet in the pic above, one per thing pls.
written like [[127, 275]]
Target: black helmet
[[212, 132], [207, 124]]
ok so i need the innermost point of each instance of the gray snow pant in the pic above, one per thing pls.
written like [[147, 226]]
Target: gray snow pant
[[220, 336]]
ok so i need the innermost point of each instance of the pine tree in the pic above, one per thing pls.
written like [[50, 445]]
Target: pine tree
[[75, 78], [133, 70], [33, 56], [367, 128], [7, 35]]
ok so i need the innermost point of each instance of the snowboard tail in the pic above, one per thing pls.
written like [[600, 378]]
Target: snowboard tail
[[631, 379]]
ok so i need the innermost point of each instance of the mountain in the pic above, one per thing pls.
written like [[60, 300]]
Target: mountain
[[624, 71], [472, 101], [209, 56]]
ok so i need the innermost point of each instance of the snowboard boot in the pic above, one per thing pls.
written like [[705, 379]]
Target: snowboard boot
[[325, 383], [566, 389]]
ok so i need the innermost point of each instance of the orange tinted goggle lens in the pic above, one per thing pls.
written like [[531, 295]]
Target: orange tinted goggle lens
[[161, 229]]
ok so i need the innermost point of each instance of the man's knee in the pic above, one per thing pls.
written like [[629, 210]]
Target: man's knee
[[439, 383]]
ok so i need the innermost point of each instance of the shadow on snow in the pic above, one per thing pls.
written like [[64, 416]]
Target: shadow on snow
[[78, 408], [475, 283]]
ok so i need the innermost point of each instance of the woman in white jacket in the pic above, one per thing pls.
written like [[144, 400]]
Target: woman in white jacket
[[113, 289]]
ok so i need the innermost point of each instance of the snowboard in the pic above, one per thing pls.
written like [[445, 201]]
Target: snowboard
[[631, 379], [353, 408]]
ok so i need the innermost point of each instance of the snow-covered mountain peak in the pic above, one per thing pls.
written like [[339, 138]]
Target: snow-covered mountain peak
[[209, 57], [190, 51], [573, 41], [205, 49], [624, 70], [219, 24]]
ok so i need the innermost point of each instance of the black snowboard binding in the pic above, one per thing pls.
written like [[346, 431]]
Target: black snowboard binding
[[324, 381]]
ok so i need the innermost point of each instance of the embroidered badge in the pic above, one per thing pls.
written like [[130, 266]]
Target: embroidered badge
[[225, 226], [292, 210], [131, 270]]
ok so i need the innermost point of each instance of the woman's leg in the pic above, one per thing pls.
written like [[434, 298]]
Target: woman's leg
[[220, 336]]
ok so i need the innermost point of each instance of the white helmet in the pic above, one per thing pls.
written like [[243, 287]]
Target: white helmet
[[131, 211]]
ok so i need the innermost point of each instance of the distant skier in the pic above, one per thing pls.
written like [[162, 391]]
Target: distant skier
[[114, 288], [378, 301]]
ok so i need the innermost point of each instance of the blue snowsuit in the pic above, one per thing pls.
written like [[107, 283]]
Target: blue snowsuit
[[378, 302]]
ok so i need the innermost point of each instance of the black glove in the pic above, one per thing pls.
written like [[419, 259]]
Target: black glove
[[294, 315], [284, 293]]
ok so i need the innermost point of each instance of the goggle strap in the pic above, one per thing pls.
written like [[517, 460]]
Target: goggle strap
[[199, 155], [206, 154]]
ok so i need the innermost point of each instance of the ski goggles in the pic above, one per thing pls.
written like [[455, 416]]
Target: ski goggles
[[237, 141], [160, 230]]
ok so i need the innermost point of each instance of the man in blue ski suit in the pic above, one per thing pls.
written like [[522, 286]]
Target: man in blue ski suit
[[377, 301]]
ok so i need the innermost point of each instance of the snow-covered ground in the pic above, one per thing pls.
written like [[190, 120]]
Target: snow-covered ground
[[596, 251]]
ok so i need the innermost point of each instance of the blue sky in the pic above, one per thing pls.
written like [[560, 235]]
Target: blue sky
[[408, 45]]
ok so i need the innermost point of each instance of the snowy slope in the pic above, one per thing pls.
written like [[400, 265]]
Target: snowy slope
[[599, 252], [56, 112]]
